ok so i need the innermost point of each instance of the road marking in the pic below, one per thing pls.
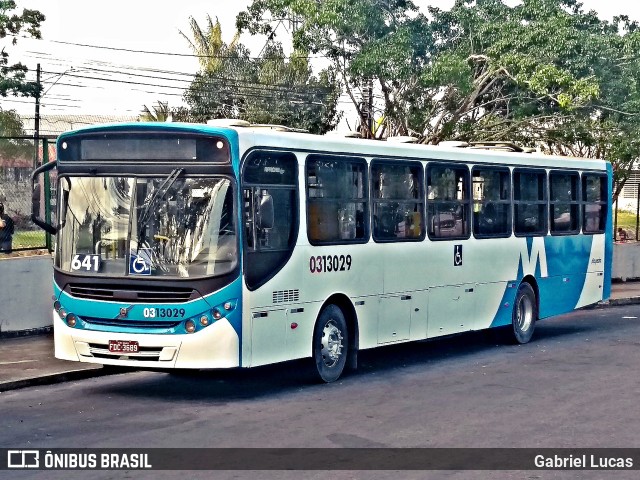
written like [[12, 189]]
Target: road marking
[[18, 361], [629, 318]]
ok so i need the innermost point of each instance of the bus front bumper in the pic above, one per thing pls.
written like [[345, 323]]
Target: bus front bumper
[[216, 346]]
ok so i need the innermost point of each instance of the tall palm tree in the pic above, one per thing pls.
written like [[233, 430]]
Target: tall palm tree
[[208, 45], [160, 113]]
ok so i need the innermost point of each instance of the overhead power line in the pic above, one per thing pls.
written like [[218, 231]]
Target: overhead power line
[[171, 54]]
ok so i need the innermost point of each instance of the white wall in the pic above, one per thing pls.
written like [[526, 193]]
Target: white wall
[[25, 293], [626, 261]]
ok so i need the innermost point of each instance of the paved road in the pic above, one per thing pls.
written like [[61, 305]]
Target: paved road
[[575, 385]]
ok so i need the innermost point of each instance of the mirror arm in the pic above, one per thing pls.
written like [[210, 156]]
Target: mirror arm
[[47, 227]]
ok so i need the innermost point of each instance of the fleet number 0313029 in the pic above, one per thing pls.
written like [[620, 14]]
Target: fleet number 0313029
[[329, 263], [163, 312]]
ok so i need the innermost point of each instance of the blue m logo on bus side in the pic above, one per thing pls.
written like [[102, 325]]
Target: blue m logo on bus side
[[532, 261], [533, 258], [550, 259]]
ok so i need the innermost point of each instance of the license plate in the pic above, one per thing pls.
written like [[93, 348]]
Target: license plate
[[123, 346]]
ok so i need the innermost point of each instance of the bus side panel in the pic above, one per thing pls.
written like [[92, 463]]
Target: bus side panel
[[594, 284], [359, 277], [403, 308], [280, 330], [564, 270], [266, 313], [608, 256], [568, 261], [465, 294]]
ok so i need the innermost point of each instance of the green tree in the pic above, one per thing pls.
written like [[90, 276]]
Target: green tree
[[544, 72], [366, 41], [271, 89], [12, 77], [12, 149]]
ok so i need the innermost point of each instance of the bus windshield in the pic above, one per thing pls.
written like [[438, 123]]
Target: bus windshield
[[162, 226]]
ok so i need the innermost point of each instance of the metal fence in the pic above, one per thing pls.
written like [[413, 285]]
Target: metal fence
[[18, 157]]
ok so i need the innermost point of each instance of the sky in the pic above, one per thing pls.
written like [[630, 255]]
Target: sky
[[95, 58]]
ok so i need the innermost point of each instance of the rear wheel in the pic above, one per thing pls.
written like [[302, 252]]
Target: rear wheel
[[525, 314], [330, 344]]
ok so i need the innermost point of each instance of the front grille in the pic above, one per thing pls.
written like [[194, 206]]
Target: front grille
[[133, 293], [130, 323]]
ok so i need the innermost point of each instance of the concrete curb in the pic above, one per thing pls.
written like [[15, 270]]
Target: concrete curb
[[58, 378], [26, 333], [615, 302]]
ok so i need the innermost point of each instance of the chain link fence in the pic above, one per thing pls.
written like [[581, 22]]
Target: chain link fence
[[17, 162]]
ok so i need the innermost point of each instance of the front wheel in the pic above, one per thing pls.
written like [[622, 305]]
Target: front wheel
[[330, 344], [525, 314]]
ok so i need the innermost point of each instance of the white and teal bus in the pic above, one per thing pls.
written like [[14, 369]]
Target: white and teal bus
[[184, 246]]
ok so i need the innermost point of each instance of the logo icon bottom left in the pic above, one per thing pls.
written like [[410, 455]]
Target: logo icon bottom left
[[23, 459]]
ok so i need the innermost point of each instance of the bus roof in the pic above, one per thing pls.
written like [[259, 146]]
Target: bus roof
[[333, 143], [278, 137]]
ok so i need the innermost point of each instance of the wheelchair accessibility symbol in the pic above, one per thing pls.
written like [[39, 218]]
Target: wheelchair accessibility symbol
[[140, 263], [457, 255]]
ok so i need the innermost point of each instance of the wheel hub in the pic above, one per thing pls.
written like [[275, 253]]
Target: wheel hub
[[331, 344], [524, 314]]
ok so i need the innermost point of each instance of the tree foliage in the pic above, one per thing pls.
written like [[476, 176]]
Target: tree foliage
[[365, 40], [13, 77], [271, 89], [11, 129], [544, 72]]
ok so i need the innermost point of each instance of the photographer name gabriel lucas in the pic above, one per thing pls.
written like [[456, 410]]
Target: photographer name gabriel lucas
[[582, 461]]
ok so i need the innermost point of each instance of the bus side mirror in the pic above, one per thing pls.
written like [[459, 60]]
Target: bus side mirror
[[36, 199], [265, 212]]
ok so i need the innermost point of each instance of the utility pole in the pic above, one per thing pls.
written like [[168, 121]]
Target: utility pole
[[367, 110], [36, 132]]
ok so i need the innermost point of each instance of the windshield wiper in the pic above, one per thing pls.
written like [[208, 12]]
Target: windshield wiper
[[148, 207]]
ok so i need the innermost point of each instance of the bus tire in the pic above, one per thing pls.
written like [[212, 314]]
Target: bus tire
[[330, 344], [525, 314]]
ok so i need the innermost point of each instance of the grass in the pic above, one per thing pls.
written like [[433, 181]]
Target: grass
[[29, 239], [627, 220]]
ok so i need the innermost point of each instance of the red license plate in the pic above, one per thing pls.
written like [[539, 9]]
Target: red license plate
[[123, 346]]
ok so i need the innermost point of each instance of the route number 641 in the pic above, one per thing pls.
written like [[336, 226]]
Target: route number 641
[[88, 262]]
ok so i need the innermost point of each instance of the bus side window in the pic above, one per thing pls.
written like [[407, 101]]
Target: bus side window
[[564, 202], [398, 200], [448, 201], [594, 203], [491, 192], [337, 199], [530, 202]]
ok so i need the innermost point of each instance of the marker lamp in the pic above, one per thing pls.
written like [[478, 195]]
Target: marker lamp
[[190, 326], [71, 320]]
